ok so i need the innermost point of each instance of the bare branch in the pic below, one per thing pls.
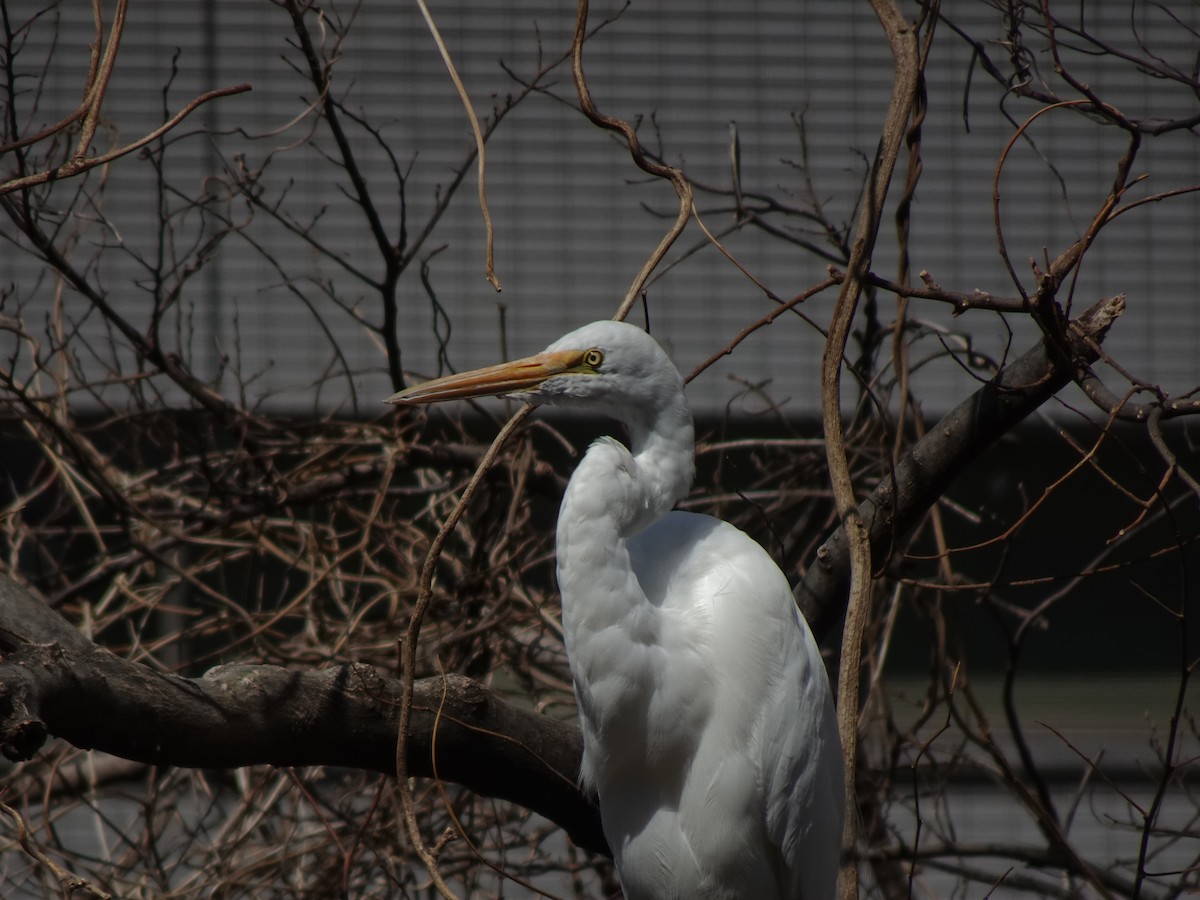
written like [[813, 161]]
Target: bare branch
[[80, 164], [55, 682]]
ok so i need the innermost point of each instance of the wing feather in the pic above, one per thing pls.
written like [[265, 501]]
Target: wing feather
[[770, 735]]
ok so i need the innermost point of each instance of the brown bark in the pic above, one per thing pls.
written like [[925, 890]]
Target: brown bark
[[54, 682]]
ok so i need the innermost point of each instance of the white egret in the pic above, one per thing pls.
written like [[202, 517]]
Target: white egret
[[708, 724]]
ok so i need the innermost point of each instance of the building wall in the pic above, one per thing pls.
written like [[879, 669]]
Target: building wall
[[574, 219]]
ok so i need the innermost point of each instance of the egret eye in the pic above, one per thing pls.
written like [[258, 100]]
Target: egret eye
[[593, 358]]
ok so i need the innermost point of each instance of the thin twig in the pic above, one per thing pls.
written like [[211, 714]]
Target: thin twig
[[479, 141], [901, 38], [413, 632], [683, 188], [68, 882], [76, 165]]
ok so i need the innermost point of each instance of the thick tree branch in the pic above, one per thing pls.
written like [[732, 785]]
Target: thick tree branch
[[53, 681], [925, 472]]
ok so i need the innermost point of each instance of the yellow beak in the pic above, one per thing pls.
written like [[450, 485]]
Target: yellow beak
[[506, 378]]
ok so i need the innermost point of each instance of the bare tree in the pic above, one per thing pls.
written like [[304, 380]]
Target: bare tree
[[260, 619]]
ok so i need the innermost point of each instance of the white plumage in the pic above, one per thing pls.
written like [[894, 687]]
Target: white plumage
[[708, 723]]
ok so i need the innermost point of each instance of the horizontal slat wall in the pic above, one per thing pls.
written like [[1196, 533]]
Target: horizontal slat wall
[[571, 229]]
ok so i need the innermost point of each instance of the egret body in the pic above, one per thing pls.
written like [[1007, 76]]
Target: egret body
[[708, 725]]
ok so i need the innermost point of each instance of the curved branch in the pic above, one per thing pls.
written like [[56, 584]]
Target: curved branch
[[480, 142], [408, 698], [683, 188], [82, 163], [906, 79], [55, 682]]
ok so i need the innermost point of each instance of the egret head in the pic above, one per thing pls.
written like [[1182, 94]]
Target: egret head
[[609, 367]]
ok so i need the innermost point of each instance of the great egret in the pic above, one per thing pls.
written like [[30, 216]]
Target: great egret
[[708, 724]]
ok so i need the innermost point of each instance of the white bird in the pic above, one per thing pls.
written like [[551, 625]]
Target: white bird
[[708, 724]]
